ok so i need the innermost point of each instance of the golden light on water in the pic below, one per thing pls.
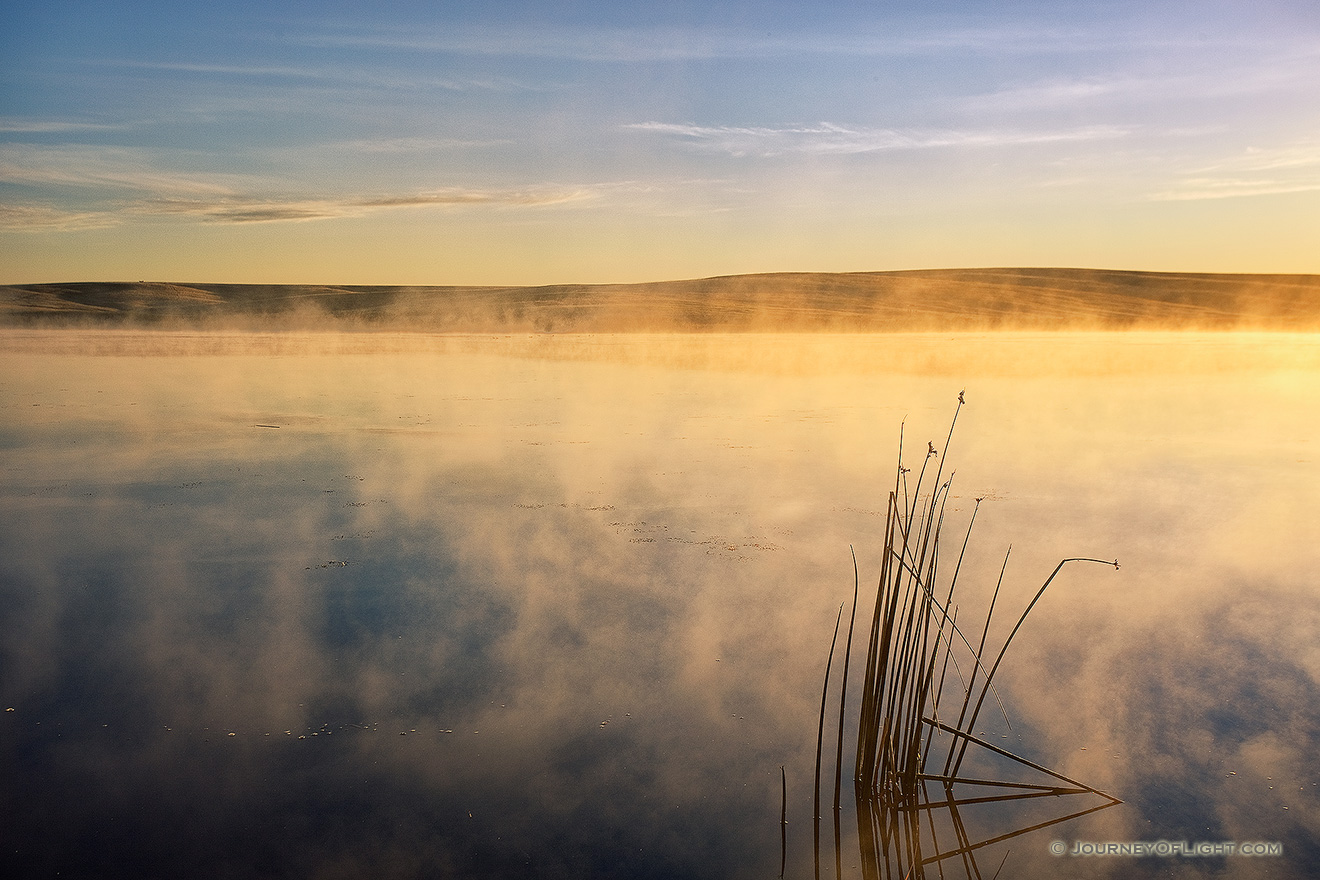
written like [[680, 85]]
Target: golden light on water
[[651, 533]]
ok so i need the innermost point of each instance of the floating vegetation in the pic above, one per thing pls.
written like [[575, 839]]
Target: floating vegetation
[[924, 687], [329, 563]]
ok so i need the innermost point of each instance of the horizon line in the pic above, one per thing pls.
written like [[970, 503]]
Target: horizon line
[[716, 277]]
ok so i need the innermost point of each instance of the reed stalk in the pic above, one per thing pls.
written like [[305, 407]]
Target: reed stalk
[[913, 642]]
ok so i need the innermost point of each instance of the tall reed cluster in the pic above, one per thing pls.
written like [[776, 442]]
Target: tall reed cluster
[[924, 687]]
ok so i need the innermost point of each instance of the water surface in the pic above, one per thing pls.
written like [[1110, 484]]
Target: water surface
[[334, 605]]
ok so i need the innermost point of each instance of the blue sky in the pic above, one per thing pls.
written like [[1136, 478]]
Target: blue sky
[[544, 142]]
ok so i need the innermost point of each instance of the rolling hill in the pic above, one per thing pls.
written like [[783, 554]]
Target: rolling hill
[[924, 300]]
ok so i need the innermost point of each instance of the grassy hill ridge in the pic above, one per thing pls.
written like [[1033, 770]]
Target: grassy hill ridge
[[919, 300]]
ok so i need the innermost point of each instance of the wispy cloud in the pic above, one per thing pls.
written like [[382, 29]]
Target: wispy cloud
[[828, 138], [416, 144], [51, 126], [229, 69], [649, 44], [113, 168], [584, 44], [1277, 71], [1303, 154], [37, 217], [1056, 93], [115, 184], [1200, 189], [240, 208], [336, 74], [1257, 171], [248, 209]]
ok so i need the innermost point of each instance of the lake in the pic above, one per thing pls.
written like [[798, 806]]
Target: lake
[[396, 605]]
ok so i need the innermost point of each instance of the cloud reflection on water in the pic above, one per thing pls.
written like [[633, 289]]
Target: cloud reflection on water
[[591, 582]]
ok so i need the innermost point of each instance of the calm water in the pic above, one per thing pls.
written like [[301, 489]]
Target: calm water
[[333, 606]]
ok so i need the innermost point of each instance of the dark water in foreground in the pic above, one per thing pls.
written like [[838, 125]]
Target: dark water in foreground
[[331, 607]]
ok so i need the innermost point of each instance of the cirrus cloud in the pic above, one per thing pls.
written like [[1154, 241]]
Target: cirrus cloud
[[107, 186], [1256, 171], [827, 138], [247, 209]]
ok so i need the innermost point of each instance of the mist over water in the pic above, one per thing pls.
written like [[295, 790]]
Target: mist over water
[[341, 604]]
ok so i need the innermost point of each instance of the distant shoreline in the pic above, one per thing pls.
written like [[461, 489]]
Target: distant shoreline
[[862, 302]]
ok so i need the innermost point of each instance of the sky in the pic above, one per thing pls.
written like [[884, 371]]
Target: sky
[[550, 142]]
